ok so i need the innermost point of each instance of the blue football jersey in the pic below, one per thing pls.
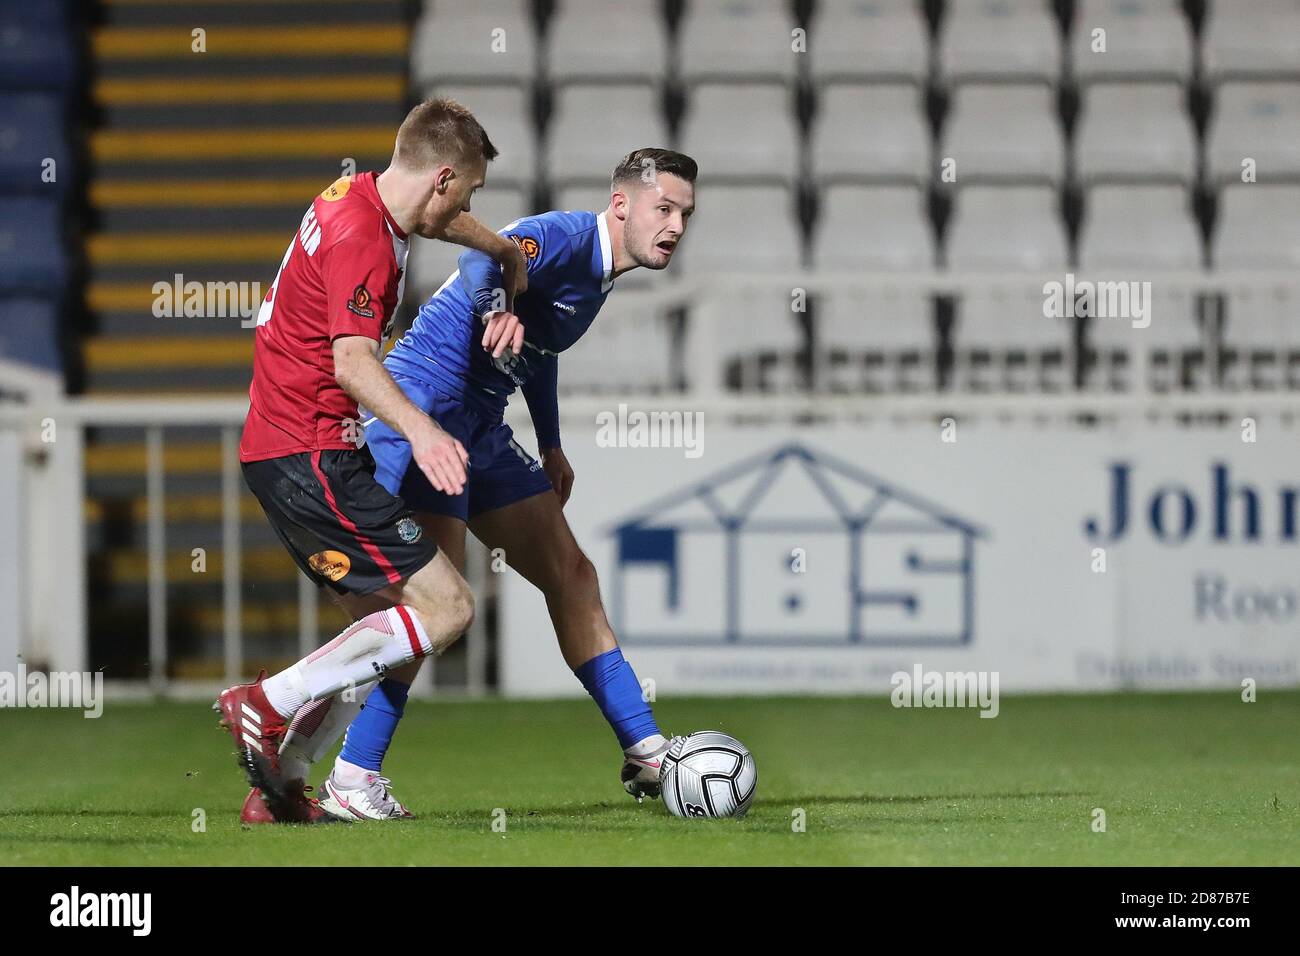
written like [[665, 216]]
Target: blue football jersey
[[570, 272]]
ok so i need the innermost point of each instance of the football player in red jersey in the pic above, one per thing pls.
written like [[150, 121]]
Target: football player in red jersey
[[316, 356]]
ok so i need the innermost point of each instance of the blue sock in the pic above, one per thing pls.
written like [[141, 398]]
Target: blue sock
[[371, 731], [613, 686]]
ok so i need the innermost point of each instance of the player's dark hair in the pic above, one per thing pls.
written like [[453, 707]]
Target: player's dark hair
[[635, 164], [441, 131]]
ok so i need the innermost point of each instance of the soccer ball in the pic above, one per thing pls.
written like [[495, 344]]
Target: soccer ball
[[709, 774]]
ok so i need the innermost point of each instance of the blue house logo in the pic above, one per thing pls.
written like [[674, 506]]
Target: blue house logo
[[793, 547]]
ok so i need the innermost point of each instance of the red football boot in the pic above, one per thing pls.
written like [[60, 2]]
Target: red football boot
[[305, 810], [258, 730]]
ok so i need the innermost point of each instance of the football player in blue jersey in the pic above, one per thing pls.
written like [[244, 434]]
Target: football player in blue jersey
[[467, 351]]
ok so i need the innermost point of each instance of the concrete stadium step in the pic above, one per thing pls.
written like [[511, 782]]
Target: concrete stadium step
[[220, 144], [269, 563], [176, 250]]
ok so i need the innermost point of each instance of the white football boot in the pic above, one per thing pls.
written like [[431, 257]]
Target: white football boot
[[641, 773], [370, 800]]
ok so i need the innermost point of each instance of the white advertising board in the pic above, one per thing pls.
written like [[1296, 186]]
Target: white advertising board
[[824, 560]]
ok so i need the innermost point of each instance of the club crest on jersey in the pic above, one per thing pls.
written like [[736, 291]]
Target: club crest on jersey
[[337, 189], [409, 531], [527, 245], [331, 565], [360, 303]]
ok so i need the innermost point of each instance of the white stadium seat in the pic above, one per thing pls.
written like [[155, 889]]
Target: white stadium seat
[[999, 39], [494, 42], [1254, 39], [628, 347], [874, 338], [507, 116], [592, 197], [738, 230], [1257, 227], [868, 40], [736, 40], [1009, 228], [737, 132], [1139, 227], [1004, 132], [1144, 39], [875, 228], [1259, 121], [594, 39], [871, 132], [1134, 131], [432, 260], [587, 137]]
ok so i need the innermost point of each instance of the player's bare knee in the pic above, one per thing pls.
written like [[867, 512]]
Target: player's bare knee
[[575, 575], [446, 613]]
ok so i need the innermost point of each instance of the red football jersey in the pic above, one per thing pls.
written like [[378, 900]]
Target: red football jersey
[[343, 275]]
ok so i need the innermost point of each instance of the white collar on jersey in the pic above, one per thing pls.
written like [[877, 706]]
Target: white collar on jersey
[[606, 253]]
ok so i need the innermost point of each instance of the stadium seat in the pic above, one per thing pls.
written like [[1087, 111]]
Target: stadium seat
[[628, 347], [874, 337], [1144, 39], [593, 39], [592, 196], [744, 229], [1260, 44], [747, 40], [1260, 121], [871, 132], [1139, 227], [31, 131], [1258, 227], [506, 113], [35, 57], [871, 228], [1129, 233], [32, 258], [999, 39], [586, 137], [431, 260], [868, 40], [494, 42], [742, 133], [29, 331], [1004, 132], [1131, 131], [1013, 228]]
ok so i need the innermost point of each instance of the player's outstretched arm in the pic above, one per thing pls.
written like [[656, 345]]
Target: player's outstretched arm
[[467, 231], [358, 371]]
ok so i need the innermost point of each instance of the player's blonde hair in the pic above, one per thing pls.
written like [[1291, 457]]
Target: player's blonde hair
[[441, 131]]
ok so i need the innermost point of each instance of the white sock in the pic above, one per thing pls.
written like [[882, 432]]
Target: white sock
[[361, 655], [349, 775], [316, 728], [648, 746]]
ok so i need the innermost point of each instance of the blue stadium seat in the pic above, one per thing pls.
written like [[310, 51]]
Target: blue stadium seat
[[31, 131], [32, 257], [35, 56], [29, 330]]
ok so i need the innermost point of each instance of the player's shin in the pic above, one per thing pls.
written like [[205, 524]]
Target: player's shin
[[612, 684], [362, 654]]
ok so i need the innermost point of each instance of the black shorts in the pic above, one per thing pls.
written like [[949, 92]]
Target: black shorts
[[341, 526]]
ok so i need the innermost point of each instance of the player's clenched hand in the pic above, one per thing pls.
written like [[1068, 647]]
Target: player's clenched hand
[[557, 469], [441, 457], [503, 331]]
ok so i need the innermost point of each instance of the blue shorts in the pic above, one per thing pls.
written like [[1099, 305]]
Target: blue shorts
[[500, 471]]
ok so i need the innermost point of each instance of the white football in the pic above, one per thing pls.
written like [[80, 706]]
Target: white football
[[709, 774]]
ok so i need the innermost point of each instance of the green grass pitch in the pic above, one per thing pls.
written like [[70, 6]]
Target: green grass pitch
[[1183, 779]]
